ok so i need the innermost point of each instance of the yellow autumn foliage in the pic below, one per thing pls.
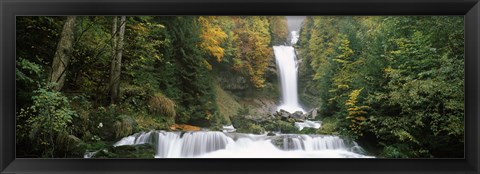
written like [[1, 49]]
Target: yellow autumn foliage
[[212, 36], [356, 114]]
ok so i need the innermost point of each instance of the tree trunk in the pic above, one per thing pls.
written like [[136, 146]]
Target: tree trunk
[[62, 54], [116, 66]]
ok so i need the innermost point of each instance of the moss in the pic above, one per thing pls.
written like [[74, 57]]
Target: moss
[[135, 151], [308, 130], [286, 127], [227, 105], [147, 122], [251, 128], [329, 125]]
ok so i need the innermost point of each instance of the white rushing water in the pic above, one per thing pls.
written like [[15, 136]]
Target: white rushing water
[[287, 69], [212, 144], [308, 123], [294, 37]]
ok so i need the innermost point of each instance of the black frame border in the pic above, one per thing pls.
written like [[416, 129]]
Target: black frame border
[[11, 8]]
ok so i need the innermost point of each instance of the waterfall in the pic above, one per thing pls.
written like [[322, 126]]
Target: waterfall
[[213, 144], [287, 69]]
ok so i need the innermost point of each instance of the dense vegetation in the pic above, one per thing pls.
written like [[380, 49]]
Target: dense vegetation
[[84, 82], [394, 83]]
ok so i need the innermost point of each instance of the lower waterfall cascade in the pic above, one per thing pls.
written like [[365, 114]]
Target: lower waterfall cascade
[[215, 144]]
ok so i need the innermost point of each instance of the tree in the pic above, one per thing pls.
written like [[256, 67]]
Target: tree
[[212, 36], [254, 51], [278, 29], [116, 67], [62, 55]]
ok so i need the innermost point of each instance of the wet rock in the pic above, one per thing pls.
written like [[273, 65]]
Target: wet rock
[[127, 151], [278, 142], [284, 115], [264, 106], [291, 120], [298, 116], [311, 114]]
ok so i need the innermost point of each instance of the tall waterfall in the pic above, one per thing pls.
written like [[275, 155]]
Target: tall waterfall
[[211, 144], [288, 70]]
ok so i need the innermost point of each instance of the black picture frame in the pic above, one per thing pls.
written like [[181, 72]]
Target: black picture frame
[[11, 8]]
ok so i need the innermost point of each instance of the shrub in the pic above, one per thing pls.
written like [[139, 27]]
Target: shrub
[[48, 122], [135, 96], [287, 127], [161, 105], [124, 126]]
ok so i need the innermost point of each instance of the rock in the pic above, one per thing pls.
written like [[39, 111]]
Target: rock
[[291, 120], [228, 128], [271, 134], [232, 82], [298, 115], [278, 142], [184, 127], [263, 107], [127, 151], [314, 113], [283, 114], [299, 119], [311, 114]]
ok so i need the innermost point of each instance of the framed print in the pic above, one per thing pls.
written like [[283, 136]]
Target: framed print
[[239, 86]]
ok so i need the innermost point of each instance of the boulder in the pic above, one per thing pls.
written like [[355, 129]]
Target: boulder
[[277, 141], [291, 120], [312, 114], [284, 115], [298, 115], [271, 134]]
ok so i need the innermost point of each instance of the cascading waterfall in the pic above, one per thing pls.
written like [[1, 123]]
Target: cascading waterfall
[[211, 144], [228, 144], [288, 70]]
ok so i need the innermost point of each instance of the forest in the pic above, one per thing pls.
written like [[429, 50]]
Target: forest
[[394, 84]]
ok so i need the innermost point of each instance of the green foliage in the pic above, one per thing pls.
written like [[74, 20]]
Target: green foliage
[[281, 126], [26, 69], [27, 75], [329, 126], [193, 90], [399, 79], [278, 29], [124, 126], [308, 130], [136, 151], [286, 127], [227, 105], [47, 123], [356, 114]]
